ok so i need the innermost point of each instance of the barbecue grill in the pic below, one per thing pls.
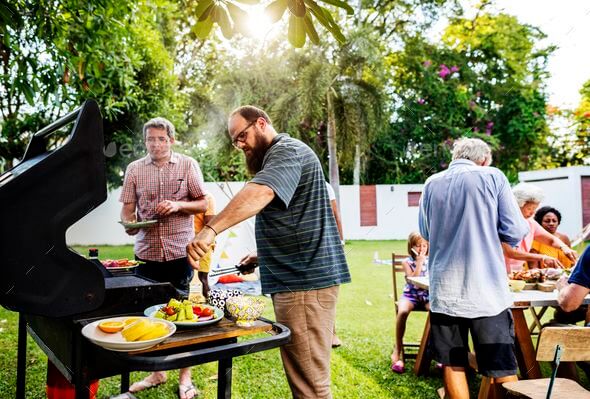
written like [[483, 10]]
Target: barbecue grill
[[56, 291]]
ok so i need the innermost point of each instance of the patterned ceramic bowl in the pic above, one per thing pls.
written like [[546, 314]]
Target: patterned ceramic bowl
[[217, 298], [245, 309]]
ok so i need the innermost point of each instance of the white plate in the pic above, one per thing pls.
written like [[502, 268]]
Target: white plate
[[218, 315], [138, 225], [116, 342], [120, 269]]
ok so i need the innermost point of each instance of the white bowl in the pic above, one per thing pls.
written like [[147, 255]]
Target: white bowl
[[116, 341]]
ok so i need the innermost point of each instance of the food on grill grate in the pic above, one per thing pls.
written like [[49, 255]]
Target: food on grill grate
[[110, 263]]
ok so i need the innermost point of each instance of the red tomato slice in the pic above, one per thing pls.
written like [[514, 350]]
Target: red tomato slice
[[206, 312], [169, 310]]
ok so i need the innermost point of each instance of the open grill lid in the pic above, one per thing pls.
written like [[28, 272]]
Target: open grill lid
[[41, 198]]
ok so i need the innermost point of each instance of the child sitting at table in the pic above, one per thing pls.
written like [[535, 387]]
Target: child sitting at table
[[413, 297]]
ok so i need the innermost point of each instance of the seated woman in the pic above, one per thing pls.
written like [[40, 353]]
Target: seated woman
[[528, 198], [550, 218], [413, 297]]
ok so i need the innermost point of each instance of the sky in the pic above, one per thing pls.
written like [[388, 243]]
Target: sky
[[567, 25]]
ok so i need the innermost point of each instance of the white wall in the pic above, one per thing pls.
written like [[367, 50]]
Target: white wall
[[563, 191], [395, 219]]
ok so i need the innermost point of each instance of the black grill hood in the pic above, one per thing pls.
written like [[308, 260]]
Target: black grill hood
[[40, 199]]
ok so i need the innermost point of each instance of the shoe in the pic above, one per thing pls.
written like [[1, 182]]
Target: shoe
[[143, 385], [184, 391], [336, 342], [398, 367]]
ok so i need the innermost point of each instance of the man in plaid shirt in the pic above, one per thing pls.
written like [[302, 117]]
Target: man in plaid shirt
[[167, 187]]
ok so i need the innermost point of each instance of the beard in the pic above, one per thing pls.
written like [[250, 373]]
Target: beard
[[255, 155]]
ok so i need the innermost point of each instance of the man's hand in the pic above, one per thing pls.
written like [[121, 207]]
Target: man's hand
[[167, 207], [132, 232], [562, 282], [248, 263], [199, 246]]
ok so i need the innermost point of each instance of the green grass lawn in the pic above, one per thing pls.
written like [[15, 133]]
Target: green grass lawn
[[360, 368]]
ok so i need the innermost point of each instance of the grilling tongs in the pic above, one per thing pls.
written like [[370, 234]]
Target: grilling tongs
[[236, 269]]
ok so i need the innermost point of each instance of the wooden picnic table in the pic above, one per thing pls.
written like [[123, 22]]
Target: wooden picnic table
[[525, 350]]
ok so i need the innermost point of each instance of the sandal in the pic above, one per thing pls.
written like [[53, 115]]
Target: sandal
[[184, 389], [398, 367]]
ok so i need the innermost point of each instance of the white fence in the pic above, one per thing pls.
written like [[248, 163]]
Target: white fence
[[395, 220]]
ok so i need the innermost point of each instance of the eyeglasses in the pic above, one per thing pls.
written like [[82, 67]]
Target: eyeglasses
[[241, 137]]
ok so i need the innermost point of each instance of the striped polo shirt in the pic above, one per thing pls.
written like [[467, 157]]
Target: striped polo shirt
[[147, 185], [296, 235]]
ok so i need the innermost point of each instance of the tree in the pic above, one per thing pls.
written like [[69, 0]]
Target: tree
[[485, 80], [581, 146], [54, 55]]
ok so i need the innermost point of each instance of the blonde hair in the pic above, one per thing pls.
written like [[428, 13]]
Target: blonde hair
[[414, 239]]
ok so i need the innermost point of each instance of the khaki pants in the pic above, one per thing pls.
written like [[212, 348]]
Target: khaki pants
[[306, 359]]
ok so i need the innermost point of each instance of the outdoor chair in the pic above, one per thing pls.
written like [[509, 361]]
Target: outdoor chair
[[409, 350], [568, 344]]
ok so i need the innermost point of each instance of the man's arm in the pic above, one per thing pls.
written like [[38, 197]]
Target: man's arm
[[571, 296], [512, 227], [336, 213], [128, 215], [423, 215], [168, 207], [247, 203]]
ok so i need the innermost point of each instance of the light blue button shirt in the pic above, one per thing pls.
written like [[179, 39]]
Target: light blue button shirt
[[466, 212]]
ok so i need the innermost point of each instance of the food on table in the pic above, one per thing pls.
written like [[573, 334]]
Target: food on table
[[536, 275], [144, 330], [202, 311], [130, 320], [177, 311], [553, 274], [110, 263], [185, 311], [111, 327]]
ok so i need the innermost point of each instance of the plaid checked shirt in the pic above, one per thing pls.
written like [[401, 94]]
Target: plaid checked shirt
[[147, 185]]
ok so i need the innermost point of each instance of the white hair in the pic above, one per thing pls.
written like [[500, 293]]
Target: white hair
[[526, 192], [159, 123], [475, 150]]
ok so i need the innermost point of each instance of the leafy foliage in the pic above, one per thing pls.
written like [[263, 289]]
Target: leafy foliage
[[57, 54], [484, 80], [231, 18]]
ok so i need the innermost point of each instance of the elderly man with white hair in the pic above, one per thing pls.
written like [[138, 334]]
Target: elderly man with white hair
[[528, 197], [466, 213]]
